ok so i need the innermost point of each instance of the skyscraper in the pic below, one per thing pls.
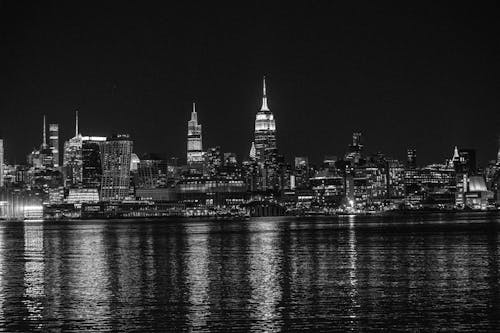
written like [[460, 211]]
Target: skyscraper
[[91, 161], [411, 158], [116, 155], [44, 134], [356, 140], [72, 159], [354, 150], [194, 140], [43, 157], [498, 153], [265, 130], [467, 161], [213, 160], [253, 152], [1, 162], [54, 142]]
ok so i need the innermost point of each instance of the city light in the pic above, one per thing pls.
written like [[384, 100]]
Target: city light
[[103, 177]]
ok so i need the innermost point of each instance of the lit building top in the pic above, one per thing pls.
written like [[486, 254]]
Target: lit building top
[[94, 138], [265, 129], [264, 97], [194, 139], [477, 184]]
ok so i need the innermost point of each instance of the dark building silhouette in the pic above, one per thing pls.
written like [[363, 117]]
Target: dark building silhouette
[[411, 158], [91, 161]]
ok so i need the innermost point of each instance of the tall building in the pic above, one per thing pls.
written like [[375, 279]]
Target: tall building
[[411, 158], [253, 152], [44, 134], [355, 149], [152, 172], [213, 160], [498, 153], [72, 159], [194, 140], [464, 161], [54, 142], [265, 130], [116, 156], [301, 172], [1, 163], [301, 162], [356, 140], [91, 161], [42, 157], [468, 160]]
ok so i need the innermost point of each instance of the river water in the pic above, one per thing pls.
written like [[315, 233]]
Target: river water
[[421, 272]]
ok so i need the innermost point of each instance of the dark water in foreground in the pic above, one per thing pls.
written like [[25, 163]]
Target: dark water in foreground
[[270, 274]]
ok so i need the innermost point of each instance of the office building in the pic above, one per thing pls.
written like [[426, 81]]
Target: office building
[[498, 153], [42, 158], [1, 164], [411, 158], [213, 161], [73, 159], [116, 156], [54, 143], [355, 149], [91, 162]]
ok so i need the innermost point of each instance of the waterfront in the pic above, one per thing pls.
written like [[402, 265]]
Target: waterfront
[[421, 272]]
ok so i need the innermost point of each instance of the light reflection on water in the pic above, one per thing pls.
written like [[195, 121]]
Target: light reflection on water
[[33, 274], [197, 259], [272, 274], [265, 271]]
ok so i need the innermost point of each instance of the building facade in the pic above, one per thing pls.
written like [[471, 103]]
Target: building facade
[[54, 143], [73, 162], [91, 161], [116, 155], [1, 164]]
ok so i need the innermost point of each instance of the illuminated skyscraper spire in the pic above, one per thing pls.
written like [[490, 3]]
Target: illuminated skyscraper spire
[[264, 96], [456, 156], [194, 139], [76, 123], [253, 153], [265, 130], [194, 115], [44, 144]]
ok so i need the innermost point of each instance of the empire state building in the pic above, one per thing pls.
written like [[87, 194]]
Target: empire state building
[[194, 140], [265, 130]]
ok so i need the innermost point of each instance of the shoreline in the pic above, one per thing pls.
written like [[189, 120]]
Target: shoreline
[[394, 213]]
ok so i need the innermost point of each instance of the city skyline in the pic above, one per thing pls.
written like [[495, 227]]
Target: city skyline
[[369, 70], [253, 166], [50, 134], [47, 130]]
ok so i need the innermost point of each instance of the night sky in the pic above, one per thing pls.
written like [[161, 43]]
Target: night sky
[[411, 76]]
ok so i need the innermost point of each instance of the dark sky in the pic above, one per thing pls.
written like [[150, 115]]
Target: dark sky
[[412, 75]]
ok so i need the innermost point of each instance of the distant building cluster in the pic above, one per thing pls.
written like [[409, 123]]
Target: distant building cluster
[[102, 177]]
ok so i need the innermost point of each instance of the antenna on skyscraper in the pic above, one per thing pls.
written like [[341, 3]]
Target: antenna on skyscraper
[[76, 123], [44, 144], [194, 116], [264, 96], [264, 86]]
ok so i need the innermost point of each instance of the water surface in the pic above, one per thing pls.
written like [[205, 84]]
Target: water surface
[[429, 272]]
